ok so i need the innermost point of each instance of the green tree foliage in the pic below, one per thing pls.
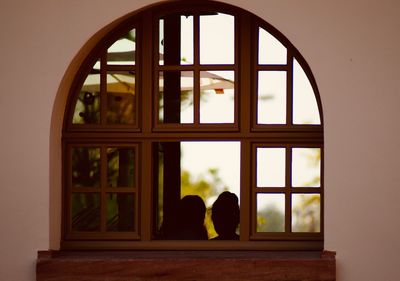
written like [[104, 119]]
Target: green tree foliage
[[270, 219], [306, 214]]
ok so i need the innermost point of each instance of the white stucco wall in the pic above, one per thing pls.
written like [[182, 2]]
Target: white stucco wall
[[351, 46]]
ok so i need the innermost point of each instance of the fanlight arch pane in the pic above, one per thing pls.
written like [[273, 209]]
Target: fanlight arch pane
[[270, 50], [271, 97], [305, 106], [122, 51], [215, 31], [87, 105]]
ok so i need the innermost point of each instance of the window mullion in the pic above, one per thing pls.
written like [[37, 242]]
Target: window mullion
[[243, 103], [289, 89], [147, 51], [196, 70], [245, 48], [146, 192], [146, 75], [288, 194], [103, 89], [246, 190], [103, 186]]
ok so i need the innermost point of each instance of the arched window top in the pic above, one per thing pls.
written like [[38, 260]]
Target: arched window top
[[188, 82], [208, 42]]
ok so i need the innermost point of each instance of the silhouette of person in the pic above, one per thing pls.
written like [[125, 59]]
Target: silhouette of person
[[225, 216], [189, 223], [192, 211]]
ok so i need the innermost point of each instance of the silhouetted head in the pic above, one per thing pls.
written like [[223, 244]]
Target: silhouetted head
[[192, 211], [225, 216]]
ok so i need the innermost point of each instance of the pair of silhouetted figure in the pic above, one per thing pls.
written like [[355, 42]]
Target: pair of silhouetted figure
[[191, 212]]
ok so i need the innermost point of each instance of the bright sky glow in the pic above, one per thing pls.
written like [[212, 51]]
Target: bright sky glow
[[270, 50], [271, 167], [187, 42], [199, 157], [217, 108], [305, 108], [217, 39], [271, 97], [306, 167]]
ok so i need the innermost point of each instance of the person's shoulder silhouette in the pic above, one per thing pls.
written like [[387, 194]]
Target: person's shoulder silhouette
[[225, 216]]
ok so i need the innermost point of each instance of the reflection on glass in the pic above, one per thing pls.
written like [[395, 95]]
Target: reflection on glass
[[121, 169], [185, 39], [270, 50], [271, 167], [271, 99], [87, 107], [217, 39], [175, 104], [270, 212], [85, 211], [121, 107], [122, 51], [120, 212], [305, 107], [205, 169], [306, 214], [85, 167], [217, 97], [306, 167]]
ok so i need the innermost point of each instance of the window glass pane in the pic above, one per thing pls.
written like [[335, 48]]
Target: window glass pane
[[121, 167], [85, 167], [217, 97], [217, 39], [185, 38], [271, 99], [271, 167], [306, 167], [87, 107], [270, 212], [123, 50], [270, 50], [306, 213], [305, 107], [215, 162], [85, 211], [121, 106], [175, 104], [120, 212], [200, 169], [161, 42]]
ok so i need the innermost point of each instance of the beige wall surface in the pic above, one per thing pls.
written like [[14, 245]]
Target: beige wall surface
[[352, 48]]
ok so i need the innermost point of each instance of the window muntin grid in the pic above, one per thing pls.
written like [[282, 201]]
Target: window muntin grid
[[247, 124]]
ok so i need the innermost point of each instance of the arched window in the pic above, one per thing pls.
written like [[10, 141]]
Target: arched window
[[192, 98]]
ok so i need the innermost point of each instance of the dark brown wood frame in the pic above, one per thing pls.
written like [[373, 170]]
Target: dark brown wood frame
[[146, 131]]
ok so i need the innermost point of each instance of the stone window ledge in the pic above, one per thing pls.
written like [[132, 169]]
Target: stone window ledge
[[185, 265]]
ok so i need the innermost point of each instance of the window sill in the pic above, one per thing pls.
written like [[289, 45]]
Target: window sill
[[185, 265]]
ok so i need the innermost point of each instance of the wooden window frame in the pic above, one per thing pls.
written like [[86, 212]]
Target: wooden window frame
[[147, 130]]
